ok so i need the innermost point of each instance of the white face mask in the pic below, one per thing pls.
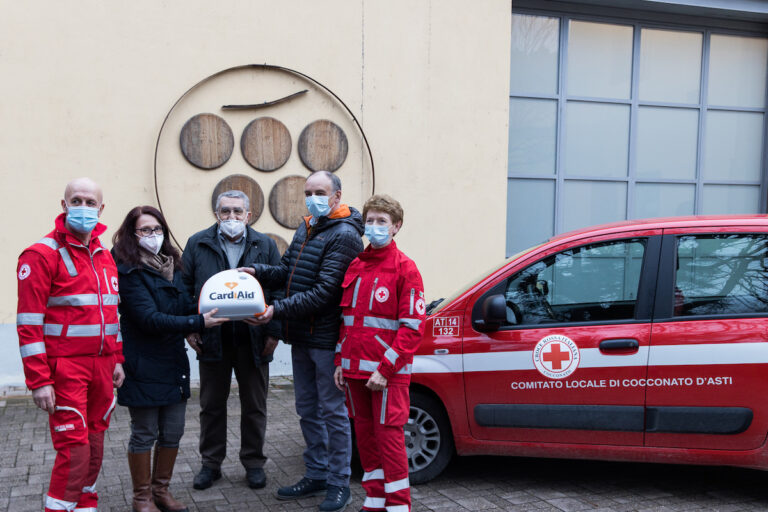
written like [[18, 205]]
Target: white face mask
[[233, 228], [151, 243]]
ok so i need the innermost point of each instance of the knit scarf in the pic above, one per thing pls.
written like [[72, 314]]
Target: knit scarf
[[160, 263]]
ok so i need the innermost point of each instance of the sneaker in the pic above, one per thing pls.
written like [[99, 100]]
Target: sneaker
[[205, 478], [301, 489], [336, 499]]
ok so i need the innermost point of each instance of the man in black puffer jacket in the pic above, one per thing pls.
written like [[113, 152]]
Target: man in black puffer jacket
[[311, 270]]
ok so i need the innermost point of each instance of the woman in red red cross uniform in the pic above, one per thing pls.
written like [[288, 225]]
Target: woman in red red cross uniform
[[383, 321]]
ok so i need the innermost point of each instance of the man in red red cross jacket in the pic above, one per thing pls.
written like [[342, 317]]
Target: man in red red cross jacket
[[70, 342]]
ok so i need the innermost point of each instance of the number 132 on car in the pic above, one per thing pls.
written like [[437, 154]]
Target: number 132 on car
[[447, 326]]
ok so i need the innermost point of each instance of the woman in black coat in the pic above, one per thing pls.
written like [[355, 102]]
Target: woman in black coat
[[155, 316]]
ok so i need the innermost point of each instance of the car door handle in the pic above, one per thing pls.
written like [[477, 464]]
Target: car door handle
[[620, 344]]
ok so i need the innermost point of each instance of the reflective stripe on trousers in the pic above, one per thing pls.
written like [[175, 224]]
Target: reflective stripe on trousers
[[67, 408], [55, 504], [384, 393]]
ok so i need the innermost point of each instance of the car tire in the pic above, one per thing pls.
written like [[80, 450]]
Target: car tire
[[428, 438]]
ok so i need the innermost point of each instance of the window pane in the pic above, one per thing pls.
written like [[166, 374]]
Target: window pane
[[670, 66], [667, 139], [585, 284], [596, 139], [663, 200], [599, 60], [532, 136], [530, 213], [593, 202], [721, 274], [737, 67], [535, 41], [730, 199], [733, 146]]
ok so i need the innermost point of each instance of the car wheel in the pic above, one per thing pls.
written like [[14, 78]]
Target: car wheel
[[428, 438]]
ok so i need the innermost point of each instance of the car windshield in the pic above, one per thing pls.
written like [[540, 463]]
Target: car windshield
[[439, 304]]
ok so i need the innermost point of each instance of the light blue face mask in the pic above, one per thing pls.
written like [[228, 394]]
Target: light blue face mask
[[82, 219], [378, 235], [317, 206]]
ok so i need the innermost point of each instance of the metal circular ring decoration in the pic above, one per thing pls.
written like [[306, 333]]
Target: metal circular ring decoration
[[282, 245], [258, 67], [206, 141], [245, 184], [323, 146], [266, 144], [286, 201]]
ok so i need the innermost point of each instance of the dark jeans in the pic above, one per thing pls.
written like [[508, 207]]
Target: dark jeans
[[163, 424], [215, 381], [324, 420]]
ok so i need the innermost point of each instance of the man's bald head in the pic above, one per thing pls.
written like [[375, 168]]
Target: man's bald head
[[83, 185], [83, 192]]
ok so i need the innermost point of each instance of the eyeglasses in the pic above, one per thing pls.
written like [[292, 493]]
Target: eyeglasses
[[158, 230], [225, 211]]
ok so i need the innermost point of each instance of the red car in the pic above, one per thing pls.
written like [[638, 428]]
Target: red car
[[639, 341]]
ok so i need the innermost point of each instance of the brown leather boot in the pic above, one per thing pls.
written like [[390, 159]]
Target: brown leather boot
[[139, 463], [165, 458]]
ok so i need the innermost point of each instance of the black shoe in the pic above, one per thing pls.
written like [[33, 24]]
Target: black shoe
[[205, 478], [336, 499], [256, 478], [301, 489]]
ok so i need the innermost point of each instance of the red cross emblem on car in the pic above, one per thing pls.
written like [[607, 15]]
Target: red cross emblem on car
[[556, 356]]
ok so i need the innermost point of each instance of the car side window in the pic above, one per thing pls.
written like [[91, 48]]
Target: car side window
[[721, 274], [590, 283]]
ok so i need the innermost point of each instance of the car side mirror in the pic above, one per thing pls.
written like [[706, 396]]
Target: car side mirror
[[494, 313]]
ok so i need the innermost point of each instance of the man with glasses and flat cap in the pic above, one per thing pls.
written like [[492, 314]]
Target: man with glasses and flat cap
[[246, 349]]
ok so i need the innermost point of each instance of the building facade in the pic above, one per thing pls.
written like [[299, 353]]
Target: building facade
[[497, 124]]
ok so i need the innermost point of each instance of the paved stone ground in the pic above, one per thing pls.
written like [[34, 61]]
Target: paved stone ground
[[470, 483]]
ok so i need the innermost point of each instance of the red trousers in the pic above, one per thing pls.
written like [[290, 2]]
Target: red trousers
[[84, 403], [379, 418]]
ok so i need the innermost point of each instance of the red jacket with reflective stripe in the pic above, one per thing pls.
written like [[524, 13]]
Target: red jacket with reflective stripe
[[383, 315], [67, 302]]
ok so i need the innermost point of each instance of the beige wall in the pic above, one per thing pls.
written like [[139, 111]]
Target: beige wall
[[84, 88]]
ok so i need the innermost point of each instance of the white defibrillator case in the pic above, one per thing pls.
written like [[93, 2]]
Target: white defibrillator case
[[238, 295]]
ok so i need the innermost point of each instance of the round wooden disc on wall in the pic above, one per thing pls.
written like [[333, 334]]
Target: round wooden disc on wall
[[206, 141], [247, 185], [282, 245], [266, 144], [286, 201], [323, 146]]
